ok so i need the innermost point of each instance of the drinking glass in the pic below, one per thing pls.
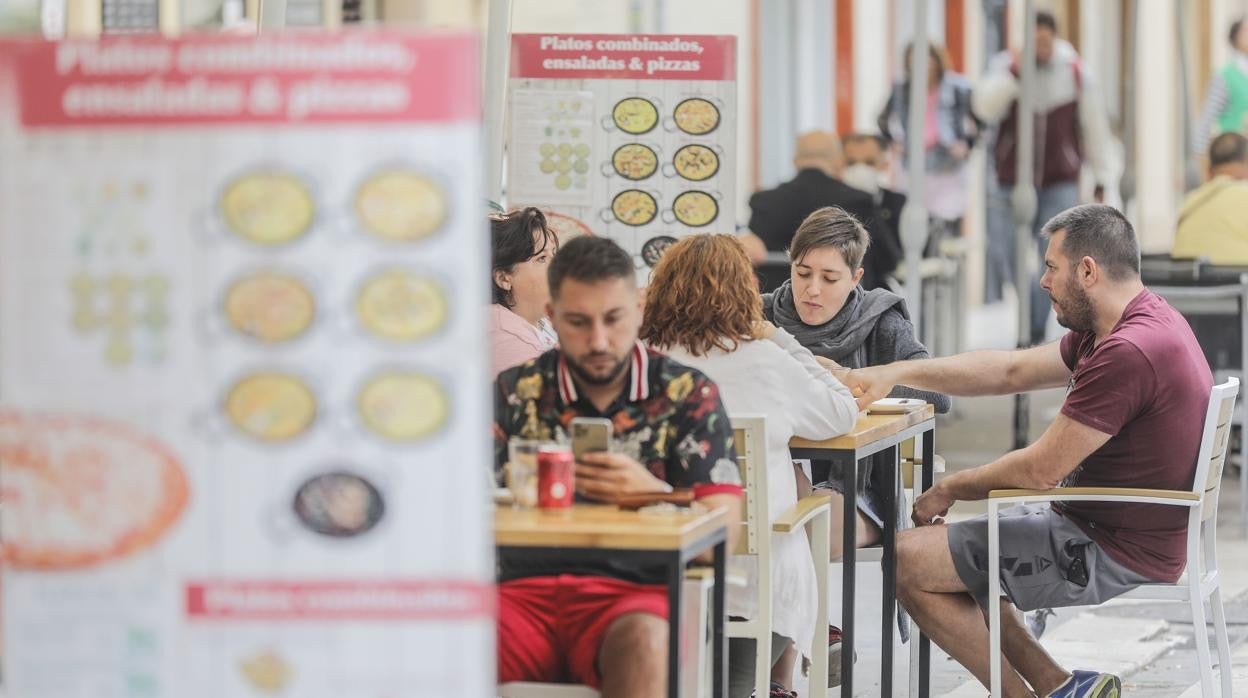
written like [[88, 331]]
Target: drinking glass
[[522, 472]]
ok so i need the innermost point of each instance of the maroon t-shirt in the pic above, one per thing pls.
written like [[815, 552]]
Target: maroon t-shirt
[[1147, 385]]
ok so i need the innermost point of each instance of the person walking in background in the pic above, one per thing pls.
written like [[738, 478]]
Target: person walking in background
[[951, 131], [1071, 130], [1226, 102]]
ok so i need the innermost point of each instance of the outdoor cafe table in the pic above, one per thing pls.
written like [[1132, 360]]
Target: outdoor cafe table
[[872, 434], [669, 538]]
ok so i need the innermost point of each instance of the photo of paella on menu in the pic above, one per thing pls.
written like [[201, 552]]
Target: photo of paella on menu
[[231, 366], [631, 137]]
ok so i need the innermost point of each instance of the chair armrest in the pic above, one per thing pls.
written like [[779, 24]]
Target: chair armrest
[[938, 463], [699, 573], [1180, 498], [806, 509]]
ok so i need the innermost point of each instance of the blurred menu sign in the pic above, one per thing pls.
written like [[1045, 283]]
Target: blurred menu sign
[[631, 137], [243, 380]]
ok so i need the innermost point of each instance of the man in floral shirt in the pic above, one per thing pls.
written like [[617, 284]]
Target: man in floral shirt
[[605, 625]]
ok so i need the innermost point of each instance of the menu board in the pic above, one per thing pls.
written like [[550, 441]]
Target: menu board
[[243, 380], [630, 137]]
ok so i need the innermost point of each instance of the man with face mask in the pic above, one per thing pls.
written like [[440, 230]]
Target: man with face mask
[[866, 169], [605, 625], [1137, 383], [1071, 129]]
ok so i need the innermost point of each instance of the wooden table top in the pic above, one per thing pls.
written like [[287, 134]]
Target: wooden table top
[[605, 527], [868, 429]]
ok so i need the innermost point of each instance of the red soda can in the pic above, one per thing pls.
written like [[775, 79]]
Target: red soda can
[[556, 477]]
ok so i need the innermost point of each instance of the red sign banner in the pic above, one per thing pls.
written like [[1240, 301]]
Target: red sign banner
[[340, 600], [289, 78], [623, 57]]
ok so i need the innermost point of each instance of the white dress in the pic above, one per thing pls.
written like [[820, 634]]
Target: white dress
[[781, 380]]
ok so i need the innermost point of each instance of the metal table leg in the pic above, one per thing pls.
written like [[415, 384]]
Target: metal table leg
[[889, 568], [719, 597], [849, 549], [925, 644], [675, 580], [1243, 422]]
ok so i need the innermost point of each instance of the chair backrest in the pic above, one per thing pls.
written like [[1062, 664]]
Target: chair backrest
[[749, 434], [1212, 456]]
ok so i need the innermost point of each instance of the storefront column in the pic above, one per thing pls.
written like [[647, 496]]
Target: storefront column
[[1158, 170]]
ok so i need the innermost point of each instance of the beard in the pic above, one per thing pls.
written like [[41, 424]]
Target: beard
[[1075, 312], [585, 376]]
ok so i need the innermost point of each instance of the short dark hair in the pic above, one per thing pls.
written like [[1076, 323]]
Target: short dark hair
[[831, 226], [1046, 20], [1228, 149], [590, 259], [1102, 233], [1234, 33], [513, 241]]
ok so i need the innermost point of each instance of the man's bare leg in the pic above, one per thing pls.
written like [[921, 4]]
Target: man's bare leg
[[929, 588], [1027, 656], [633, 657]]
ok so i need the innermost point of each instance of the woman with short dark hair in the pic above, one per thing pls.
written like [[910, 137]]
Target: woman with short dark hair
[[522, 246], [825, 308]]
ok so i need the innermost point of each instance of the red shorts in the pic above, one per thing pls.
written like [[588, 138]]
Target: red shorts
[[550, 628]]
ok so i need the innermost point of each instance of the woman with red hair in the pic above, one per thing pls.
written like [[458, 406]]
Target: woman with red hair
[[704, 310]]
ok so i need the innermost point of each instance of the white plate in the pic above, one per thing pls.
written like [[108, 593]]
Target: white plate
[[895, 405]]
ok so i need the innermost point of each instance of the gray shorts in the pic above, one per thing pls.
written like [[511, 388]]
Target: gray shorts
[[1046, 560]]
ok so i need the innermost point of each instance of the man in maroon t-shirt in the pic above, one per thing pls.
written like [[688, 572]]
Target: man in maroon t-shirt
[[1137, 389]]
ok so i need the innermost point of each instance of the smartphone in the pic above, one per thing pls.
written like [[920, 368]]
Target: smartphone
[[590, 435]]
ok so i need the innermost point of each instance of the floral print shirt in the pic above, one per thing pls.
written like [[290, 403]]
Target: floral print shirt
[[669, 419]]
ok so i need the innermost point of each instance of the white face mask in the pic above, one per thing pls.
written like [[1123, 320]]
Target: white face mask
[[863, 177]]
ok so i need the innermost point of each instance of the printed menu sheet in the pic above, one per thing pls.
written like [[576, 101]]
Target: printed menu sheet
[[243, 380], [630, 137]]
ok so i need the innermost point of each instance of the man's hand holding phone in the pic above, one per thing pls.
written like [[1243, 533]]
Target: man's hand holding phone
[[605, 476]]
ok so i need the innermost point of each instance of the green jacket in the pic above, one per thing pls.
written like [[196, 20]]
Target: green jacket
[[1233, 117]]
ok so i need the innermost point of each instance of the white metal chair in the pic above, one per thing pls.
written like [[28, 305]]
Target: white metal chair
[[1202, 579], [750, 436]]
